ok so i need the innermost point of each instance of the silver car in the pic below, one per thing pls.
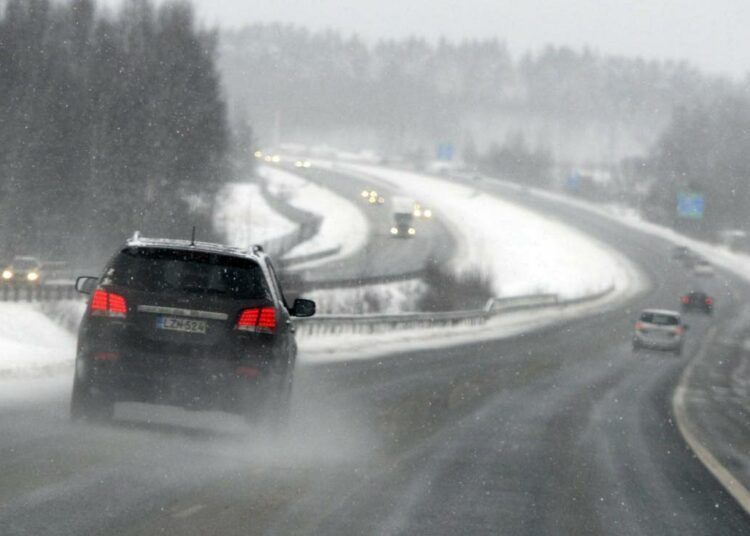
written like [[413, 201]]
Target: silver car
[[659, 329]]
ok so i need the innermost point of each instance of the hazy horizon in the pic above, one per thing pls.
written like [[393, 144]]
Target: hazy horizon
[[712, 37]]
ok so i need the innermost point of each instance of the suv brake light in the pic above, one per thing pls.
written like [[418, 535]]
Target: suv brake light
[[709, 301], [105, 303], [638, 326], [685, 300], [258, 319]]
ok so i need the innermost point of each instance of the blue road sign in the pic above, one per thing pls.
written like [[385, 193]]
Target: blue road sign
[[445, 151], [691, 206], [573, 182]]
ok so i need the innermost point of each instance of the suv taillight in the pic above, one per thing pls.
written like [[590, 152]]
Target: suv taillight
[[105, 303], [258, 319]]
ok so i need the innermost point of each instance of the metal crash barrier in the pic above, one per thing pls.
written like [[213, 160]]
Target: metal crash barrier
[[380, 323]]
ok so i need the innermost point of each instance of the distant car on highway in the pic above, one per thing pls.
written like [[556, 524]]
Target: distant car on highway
[[199, 325], [703, 268], [23, 271], [403, 218], [422, 212], [681, 252], [303, 164], [697, 300], [659, 329], [372, 197]]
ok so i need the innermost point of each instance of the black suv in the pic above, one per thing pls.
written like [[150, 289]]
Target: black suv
[[199, 325]]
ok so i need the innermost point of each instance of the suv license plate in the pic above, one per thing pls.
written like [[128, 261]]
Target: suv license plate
[[186, 325]]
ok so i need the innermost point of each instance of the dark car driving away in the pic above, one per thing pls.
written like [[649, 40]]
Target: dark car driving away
[[197, 325], [697, 300]]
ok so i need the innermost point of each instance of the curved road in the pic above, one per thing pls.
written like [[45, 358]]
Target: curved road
[[560, 431], [384, 257]]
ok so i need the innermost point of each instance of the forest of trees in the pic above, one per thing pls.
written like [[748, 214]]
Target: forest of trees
[[108, 124], [408, 95], [659, 127], [705, 150], [112, 123]]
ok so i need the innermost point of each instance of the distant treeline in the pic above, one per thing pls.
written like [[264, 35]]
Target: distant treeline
[[705, 150], [108, 124], [409, 94]]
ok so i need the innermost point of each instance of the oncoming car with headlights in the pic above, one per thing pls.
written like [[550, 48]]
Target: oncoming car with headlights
[[372, 197], [197, 325], [403, 218], [23, 271]]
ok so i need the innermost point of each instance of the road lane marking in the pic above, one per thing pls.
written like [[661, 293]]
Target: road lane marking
[[187, 512], [715, 467]]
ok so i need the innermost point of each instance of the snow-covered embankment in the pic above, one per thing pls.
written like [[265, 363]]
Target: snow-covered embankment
[[523, 251], [343, 226]]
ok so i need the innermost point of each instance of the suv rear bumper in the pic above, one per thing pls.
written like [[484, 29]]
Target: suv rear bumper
[[193, 383]]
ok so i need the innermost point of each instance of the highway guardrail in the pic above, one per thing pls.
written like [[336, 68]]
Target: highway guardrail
[[380, 323]]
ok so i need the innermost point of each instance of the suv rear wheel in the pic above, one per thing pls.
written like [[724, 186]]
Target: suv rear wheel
[[88, 404], [273, 408]]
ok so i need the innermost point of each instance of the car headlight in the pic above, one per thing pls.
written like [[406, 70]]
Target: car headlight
[[306, 164], [7, 274], [427, 213], [32, 276], [276, 159], [298, 164], [394, 231], [258, 154], [381, 200], [365, 193], [412, 231], [372, 200]]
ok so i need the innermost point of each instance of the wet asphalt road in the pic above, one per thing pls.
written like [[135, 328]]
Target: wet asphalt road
[[561, 431], [384, 256]]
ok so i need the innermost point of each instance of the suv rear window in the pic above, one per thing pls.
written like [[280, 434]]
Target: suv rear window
[[660, 319], [163, 270]]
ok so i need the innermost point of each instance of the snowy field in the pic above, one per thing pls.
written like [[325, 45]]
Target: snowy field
[[523, 252], [343, 224], [31, 344], [244, 217], [387, 298]]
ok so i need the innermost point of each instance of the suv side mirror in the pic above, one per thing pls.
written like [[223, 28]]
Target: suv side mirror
[[303, 308], [86, 284]]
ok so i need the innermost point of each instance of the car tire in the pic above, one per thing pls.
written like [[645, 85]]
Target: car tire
[[272, 411], [636, 347], [87, 405]]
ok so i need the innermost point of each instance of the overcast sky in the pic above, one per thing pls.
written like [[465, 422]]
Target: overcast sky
[[714, 34]]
